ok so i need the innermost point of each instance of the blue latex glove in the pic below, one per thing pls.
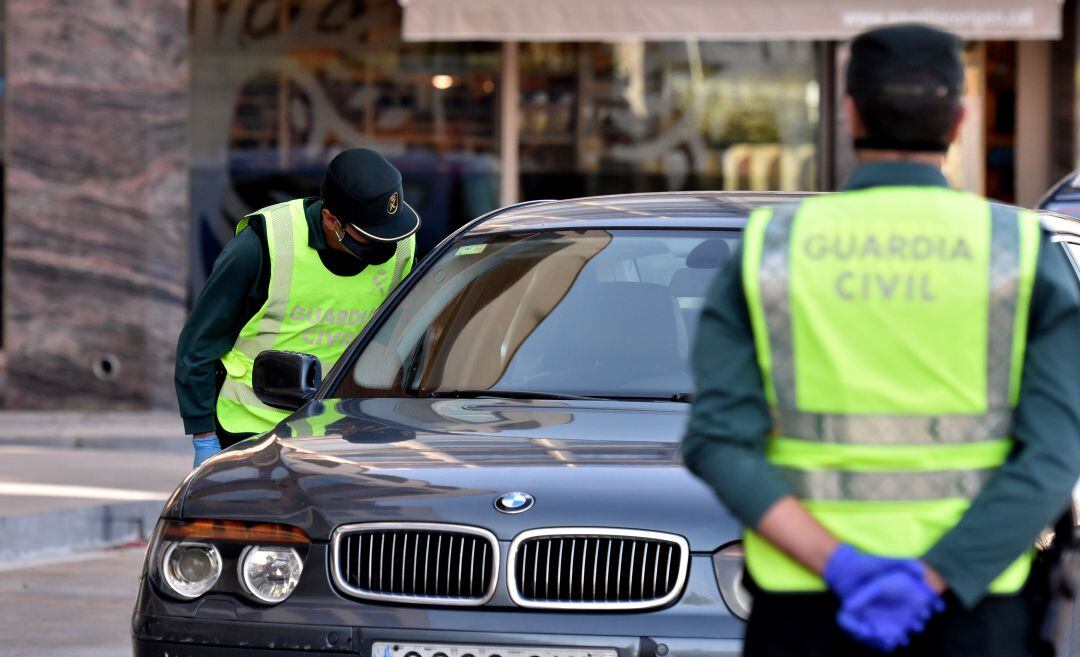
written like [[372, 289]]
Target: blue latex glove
[[205, 447], [886, 610], [848, 569]]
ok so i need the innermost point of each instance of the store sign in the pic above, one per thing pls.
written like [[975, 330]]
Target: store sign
[[727, 20], [968, 21]]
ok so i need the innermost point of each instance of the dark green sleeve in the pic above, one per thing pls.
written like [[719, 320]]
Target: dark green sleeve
[[725, 440], [1033, 488], [211, 329]]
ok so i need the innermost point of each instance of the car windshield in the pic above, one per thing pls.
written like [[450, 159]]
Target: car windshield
[[550, 314]]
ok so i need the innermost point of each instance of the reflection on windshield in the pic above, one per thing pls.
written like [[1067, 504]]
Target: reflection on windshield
[[571, 313], [503, 307]]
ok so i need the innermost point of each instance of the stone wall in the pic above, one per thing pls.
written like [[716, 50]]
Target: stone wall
[[96, 194]]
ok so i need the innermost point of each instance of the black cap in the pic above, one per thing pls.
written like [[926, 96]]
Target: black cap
[[906, 61], [364, 190], [906, 81]]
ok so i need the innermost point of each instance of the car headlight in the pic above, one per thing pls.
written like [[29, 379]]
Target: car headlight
[[186, 558], [190, 569], [269, 573], [728, 565]]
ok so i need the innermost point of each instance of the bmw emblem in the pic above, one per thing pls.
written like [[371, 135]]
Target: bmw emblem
[[514, 502]]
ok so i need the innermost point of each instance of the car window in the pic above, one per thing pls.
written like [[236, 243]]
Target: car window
[[605, 313], [1069, 207]]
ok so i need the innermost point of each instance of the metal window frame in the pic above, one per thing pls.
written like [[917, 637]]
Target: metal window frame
[[368, 527], [597, 532]]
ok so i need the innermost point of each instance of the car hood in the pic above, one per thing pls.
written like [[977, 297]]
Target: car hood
[[586, 463]]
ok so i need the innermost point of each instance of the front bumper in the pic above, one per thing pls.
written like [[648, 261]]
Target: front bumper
[[317, 620], [183, 637]]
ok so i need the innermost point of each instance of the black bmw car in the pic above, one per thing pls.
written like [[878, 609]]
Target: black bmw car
[[491, 470]]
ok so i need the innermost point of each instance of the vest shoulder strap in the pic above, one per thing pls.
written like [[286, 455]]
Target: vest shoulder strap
[[245, 221]]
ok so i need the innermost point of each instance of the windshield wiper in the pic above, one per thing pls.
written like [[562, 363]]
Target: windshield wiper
[[507, 394]]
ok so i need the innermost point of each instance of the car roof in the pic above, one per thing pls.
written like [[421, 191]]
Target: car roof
[[671, 210], [1066, 189], [653, 210]]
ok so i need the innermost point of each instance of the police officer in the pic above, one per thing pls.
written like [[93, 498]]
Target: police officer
[[304, 275], [887, 390]]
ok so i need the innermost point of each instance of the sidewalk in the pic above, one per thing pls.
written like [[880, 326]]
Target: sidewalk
[[72, 482], [78, 606], [136, 430]]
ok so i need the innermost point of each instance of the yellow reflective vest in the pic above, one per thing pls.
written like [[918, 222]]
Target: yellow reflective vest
[[308, 309], [890, 327]]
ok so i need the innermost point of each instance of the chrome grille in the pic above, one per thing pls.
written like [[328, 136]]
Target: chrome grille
[[416, 562], [596, 568]]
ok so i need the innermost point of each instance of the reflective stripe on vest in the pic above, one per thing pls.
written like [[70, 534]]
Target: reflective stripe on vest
[[890, 327], [308, 309]]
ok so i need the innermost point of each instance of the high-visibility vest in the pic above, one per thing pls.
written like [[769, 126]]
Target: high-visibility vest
[[308, 309], [890, 327]]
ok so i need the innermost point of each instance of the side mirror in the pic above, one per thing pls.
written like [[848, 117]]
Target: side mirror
[[285, 379]]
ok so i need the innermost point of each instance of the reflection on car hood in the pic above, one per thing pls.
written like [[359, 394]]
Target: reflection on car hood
[[587, 463]]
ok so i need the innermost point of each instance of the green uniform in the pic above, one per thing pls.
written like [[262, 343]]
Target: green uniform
[[309, 309], [234, 294], [727, 436]]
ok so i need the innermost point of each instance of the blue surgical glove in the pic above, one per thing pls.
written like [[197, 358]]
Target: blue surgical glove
[[848, 569], [886, 610], [205, 447]]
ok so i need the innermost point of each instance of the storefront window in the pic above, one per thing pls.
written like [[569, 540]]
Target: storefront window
[[636, 117], [280, 86], [966, 164]]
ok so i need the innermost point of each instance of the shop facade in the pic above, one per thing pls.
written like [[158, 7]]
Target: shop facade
[[144, 131], [484, 103], [278, 87]]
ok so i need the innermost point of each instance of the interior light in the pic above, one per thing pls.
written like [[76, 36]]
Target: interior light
[[442, 81]]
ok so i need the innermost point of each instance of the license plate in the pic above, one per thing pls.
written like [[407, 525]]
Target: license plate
[[397, 649]]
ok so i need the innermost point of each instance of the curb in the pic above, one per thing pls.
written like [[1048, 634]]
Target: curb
[[59, 533], [172, 444]]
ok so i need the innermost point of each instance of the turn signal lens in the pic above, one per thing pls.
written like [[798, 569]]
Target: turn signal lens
[[728, 565], [270, 574], [234, 532], [190, 569]]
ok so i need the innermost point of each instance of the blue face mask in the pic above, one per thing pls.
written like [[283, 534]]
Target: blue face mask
[[372, 253]]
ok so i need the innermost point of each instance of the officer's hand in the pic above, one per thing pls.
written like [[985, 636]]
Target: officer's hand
[[885, 611], [205, 447], [848, 569]]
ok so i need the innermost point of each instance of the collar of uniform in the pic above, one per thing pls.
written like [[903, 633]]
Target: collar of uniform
[[895, 174], [313, 206]]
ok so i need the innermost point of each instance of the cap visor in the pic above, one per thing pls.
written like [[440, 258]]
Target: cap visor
[[404, 223]]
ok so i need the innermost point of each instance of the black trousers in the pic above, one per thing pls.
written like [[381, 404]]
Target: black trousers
[[804, 625]]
